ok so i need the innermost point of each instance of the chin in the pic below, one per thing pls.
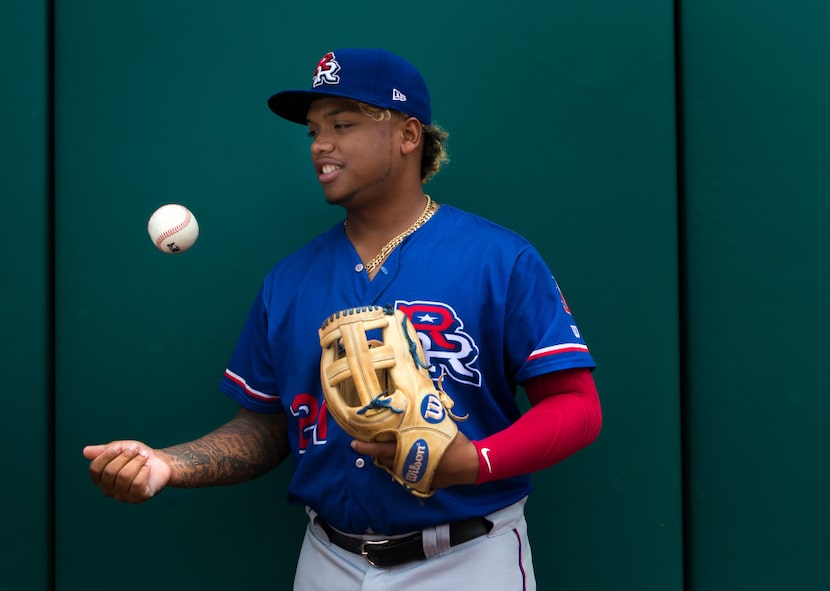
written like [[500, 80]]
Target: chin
[[334, 198]]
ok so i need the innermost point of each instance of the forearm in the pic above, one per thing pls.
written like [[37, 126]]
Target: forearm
[[565, 417], [246, 447]]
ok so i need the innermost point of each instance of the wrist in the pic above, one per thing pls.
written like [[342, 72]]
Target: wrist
[[180, 466], [459, 464], [484, 470]]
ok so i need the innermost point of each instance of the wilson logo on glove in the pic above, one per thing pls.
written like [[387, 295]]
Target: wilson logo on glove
[[416, 461], [380, 390], [432, 410]]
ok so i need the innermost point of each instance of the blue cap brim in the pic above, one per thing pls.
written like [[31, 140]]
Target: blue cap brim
[[293, 104]]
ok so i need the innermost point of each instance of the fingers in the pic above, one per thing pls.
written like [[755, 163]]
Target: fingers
[[139, 490], [93, 451], [383, 452], [120, 470]]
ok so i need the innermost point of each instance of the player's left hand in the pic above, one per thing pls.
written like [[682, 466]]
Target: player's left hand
[[458, 466], [128, 470]]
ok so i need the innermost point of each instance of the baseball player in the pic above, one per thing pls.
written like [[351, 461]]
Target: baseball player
[[488, 315]]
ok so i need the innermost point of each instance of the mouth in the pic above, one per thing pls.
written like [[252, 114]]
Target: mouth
[[328, 171]]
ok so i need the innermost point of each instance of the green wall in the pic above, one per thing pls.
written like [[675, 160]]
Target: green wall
[[697, 286], [757, 136], [25, 307]]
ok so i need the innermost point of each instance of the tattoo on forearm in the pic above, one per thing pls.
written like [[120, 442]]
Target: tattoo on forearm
[[238, 451]]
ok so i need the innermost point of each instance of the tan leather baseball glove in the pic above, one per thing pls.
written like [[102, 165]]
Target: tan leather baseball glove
[[377, 387]]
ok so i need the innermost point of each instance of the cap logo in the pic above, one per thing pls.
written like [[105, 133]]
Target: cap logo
[[397, 95], [326, 72]]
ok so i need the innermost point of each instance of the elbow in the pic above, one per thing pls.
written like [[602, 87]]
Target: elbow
[[594, 424], [593, 417]]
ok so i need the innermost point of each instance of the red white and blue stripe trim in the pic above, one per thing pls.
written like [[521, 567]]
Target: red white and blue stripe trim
[[240, 381], [557, 350]]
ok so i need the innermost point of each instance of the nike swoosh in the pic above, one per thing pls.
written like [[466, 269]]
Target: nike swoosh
[[485, 451]]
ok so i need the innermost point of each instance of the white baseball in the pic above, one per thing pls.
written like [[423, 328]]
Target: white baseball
[[173, 228]]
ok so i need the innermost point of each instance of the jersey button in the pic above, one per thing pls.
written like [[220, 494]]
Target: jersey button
[[358, 267], [359, 462]]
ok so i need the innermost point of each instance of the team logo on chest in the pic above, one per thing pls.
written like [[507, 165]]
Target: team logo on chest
[[326, 72], [449, 350]]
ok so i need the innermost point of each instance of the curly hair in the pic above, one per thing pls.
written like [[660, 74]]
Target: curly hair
[[433, 139], [435, 151]]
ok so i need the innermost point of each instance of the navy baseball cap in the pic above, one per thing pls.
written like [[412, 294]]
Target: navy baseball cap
[[372, 76]]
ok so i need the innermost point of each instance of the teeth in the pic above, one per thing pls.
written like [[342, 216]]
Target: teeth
[[328, 168]]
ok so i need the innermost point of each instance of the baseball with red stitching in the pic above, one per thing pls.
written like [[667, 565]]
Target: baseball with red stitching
[[173, 228]]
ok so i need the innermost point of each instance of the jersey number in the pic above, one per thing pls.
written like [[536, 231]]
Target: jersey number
[[312, 418]]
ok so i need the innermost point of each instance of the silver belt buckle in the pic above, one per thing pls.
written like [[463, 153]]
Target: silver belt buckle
[[365, 552]]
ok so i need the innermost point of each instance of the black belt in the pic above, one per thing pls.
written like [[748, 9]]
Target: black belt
[[392, 552]]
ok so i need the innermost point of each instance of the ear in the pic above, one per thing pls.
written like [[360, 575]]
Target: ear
[[411, 130]]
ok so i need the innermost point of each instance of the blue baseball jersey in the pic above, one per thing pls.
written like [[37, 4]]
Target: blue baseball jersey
[[489, 315]]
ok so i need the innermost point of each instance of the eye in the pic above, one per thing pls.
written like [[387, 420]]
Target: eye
[[312, 133]]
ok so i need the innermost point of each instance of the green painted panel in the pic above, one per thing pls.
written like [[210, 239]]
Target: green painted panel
[[561, 127], [24, 304], [757, 137]]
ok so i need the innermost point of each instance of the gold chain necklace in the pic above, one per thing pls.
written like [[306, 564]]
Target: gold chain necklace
[[392, 244]]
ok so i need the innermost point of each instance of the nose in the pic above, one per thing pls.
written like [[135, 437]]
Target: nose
[[321, 144]]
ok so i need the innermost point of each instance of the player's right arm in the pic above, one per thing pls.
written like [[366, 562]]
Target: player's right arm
[[247, 446]]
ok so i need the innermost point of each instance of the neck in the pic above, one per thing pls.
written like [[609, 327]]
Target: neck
[[373, 243], [380, 223]]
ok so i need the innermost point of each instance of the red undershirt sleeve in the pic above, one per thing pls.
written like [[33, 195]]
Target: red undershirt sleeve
[[564, 417]]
